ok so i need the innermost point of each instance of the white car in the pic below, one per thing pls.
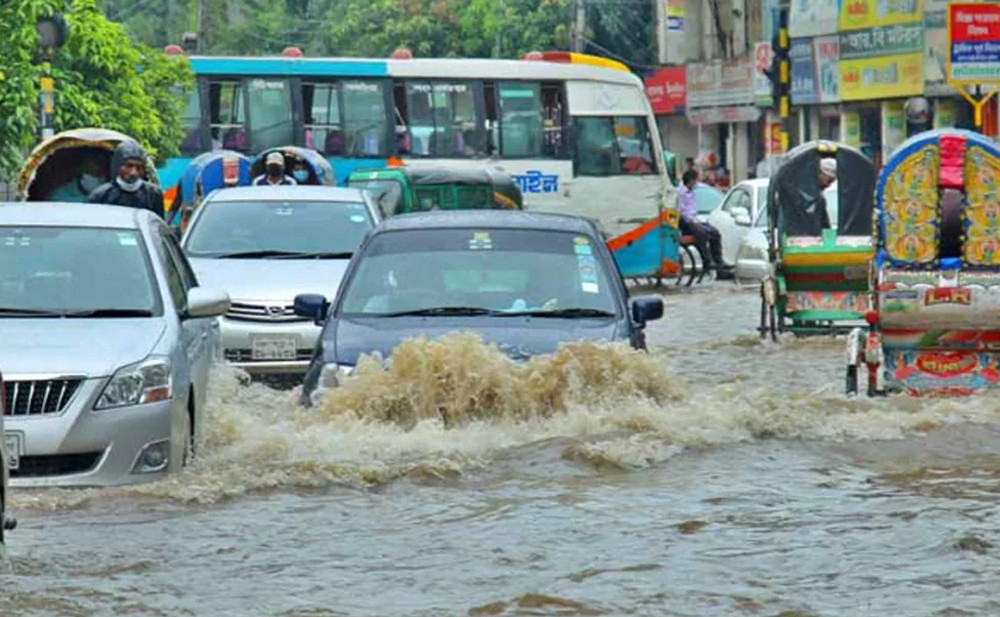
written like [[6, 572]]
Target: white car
[[752, 263], [265, 245], [6, 524], [736, 212]]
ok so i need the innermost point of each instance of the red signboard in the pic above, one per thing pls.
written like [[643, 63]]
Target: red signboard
[[974, 22], [667, 90]]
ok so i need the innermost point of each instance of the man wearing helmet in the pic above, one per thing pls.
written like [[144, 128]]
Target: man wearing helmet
[[129, 189]]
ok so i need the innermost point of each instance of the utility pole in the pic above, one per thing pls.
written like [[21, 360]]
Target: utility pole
[[780, 77], [579, 30], [661, 31], [496, 43], [202, 26], [171, 22]]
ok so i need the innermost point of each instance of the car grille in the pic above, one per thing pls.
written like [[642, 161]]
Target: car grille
[[245, 311], [38, 397], [246, 355], [55, 465]]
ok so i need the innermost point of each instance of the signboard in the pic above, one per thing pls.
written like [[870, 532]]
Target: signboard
[[675, 15], [826, 51], [720, 83], [973, 43], [804, 89], [850, 127], [893, 127], [666, 90], [944, 114], [882, 62], [763, 55], [812, 18], [859, 14]]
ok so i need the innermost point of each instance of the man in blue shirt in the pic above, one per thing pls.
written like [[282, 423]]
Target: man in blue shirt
[[708, 237]]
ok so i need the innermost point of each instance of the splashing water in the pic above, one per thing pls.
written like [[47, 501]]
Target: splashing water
[[446, 407]]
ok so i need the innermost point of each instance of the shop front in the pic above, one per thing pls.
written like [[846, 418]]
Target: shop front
[[720, 104]]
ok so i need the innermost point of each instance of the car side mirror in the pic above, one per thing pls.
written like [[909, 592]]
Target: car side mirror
[[741, 216], [206, 302], [647, 308], [313, 306]]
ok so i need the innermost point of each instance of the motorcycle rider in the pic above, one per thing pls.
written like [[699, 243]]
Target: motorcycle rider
[[128, 164]]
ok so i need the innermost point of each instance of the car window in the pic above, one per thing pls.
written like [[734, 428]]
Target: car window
[[227, 227], [175, 281], [761, 217], [74, 269], [494, 269], [738, 198], [707, 198], [188, 276]]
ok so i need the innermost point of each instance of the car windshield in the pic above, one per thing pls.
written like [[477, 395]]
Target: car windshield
[[707, 198], [66, 270], [278, 228], [476, 271]]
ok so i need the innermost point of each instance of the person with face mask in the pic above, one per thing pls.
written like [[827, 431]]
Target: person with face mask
[[128, 164], [275, 174], [300, 172], [78, 189]]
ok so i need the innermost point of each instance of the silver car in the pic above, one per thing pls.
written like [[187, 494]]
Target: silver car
[[6, 524], [265, 245], [752, 263], [106, 341]]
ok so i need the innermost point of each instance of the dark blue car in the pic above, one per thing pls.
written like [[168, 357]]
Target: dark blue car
[[526, 281]]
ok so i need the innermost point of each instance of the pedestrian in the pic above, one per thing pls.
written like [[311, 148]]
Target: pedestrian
[[708, 237], [129, 188], [274, 174]]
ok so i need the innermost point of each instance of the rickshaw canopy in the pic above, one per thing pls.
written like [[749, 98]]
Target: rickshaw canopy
[[55, 168], [214, 170], [795, 196], [320, 170], [938, 199]]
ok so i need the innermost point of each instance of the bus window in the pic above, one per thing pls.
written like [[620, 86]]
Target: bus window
[[270, 113], [227, 121], [553, 109], [612, 146], [191, 123], [365, 118], [441, 119], [521, 119], [323, 126]]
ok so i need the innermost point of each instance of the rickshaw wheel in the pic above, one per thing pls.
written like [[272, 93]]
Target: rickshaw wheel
[[851, 385], [768, 315]]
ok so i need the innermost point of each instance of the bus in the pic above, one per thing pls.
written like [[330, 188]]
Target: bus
[[575, 131]]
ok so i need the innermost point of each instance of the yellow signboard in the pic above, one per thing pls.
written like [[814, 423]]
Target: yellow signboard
[[883, 77], [857, 14], [850, 128]]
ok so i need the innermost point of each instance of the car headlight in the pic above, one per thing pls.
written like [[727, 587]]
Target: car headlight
[[755, 253], [333, 375], [148, 381]]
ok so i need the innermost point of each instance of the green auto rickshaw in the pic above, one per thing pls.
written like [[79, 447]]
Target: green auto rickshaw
[[399, 190]]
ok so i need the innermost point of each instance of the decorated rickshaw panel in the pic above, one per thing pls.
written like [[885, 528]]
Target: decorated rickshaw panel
[[982, 208], [909, 203]]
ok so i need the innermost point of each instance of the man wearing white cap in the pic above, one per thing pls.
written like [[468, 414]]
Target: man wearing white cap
[[275, 172], [827, 176]]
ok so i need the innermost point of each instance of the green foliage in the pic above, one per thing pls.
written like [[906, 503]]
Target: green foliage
[[102, 79]]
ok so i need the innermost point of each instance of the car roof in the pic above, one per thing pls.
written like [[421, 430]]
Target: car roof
[[756, 182], [71, 215], [287, 193], [510, 219]]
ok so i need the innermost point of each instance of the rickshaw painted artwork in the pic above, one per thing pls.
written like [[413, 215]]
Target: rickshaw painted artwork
[[934, 331], [982, 210], [909, 206]]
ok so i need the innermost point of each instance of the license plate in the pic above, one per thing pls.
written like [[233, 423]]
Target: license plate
[[13, 448], [274, 348]]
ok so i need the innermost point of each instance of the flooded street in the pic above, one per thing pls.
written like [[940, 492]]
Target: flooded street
[[719, 476]]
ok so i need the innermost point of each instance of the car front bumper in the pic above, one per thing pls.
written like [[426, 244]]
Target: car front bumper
[[287, 349]]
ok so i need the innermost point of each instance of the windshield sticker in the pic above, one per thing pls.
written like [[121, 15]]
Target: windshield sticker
[[481, 240], [581, 246], [357, 218], [588, 274], [126, 239]]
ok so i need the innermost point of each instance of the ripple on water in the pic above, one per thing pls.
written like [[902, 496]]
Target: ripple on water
[[451, 406]]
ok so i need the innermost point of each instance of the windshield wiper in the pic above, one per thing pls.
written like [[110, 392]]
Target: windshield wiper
[[443, 310], [111, 312], [31, 312], [331, 255], [566, 312], [251, 254]]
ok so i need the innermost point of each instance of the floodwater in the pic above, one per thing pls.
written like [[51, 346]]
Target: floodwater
[[716, 476]]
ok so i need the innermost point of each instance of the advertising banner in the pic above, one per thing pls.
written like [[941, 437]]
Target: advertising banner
[[850, 128], [860, 14], [666, 90], [827, 57], [882, 62], [893, 127], [812, 18], [804, 88], [973, 43]]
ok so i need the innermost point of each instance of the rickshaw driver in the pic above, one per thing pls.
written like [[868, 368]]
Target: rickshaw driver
[[708, 237], [128, 188]]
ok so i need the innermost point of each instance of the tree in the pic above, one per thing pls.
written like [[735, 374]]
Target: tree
[[102, 79]]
